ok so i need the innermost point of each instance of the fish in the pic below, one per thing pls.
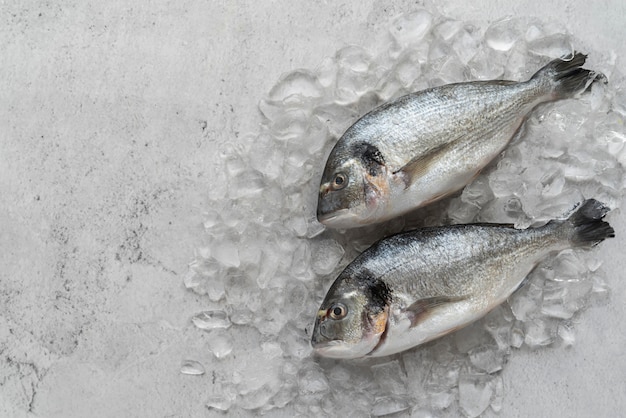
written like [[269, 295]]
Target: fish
[[416, 286], [427, 145]]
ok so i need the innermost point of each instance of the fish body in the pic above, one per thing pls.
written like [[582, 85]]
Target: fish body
[[427, 145], [416, 286]]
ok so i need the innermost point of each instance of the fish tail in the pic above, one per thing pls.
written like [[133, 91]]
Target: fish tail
[[585, 226], [565, 77]]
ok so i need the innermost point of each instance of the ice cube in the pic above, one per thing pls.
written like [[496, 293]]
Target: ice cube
[[327, 72], [192, 367], [517, 337], [290, 123], [502, 34], [471, 337], [448, 28], [226, 253], [411, 28], [220, 344], [540, 332], [325, 256], [209, 320], [300, 82], [475, 392], [466, 43], [442, 400], [241, 316], [487, 358], [258, 398], [388, 405], [311, 380], [554, 46], [486, 65], [498, 395], [566, 332], [241, 291], [390, 377], [406, 71], [220, 402]]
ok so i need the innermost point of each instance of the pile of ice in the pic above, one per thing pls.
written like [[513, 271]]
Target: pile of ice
[[266, 263]]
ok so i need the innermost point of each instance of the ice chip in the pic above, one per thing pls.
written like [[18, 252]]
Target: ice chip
[[487, 358], [502, 34], [299, 82], [540, 332], [211, 218], [566, 333], [291, 124], [354, 59], [209, 320], [327, 72], [326, 255], [407, 70], [241, 316], [215, 288], [448, 28], [484, 66], [475, 392], [390, 377], [388, 405], [353, 77], [258, 398], [442, 400], [466, 43], [554, 46], [219, 403], [498, 396], [517, 337], [220, 344], [193, 279], [471, 337], [312, 380], [226, 253], [192, 367], [411, 28]]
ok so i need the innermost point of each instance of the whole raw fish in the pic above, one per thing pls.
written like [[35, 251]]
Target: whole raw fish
[[416, 286], [429, 144]]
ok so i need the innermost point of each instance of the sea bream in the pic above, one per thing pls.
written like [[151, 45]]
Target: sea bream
[[427, 145], [416, 286]]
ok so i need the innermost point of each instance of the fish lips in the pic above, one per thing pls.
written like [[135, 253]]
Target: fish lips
[[343, 350], [331, 212], [336, 348]]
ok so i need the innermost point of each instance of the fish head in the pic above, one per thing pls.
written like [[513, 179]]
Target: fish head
[[352, 193], [349, 324]]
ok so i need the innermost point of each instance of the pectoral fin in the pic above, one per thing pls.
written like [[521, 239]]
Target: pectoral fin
[[423, 307], [421, 164]]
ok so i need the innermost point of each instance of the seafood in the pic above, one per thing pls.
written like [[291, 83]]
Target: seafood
[[416, 286], [427, 145]]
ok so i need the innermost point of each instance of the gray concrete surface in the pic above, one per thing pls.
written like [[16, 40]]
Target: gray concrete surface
[[110, 115]]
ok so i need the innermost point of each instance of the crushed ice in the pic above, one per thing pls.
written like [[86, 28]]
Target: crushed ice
[[266, 263]]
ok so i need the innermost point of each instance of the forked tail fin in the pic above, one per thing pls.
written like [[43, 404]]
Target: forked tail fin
[[586, 225], [565, 77]]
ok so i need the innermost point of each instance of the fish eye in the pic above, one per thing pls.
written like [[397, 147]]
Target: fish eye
[[339, 182], [338, 311]]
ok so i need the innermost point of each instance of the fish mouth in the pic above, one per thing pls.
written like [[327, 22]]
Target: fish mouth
[[333, 349], [342, 218]]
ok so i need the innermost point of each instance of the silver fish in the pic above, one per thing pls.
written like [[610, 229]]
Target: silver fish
[[427, 145], [420, 285]]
